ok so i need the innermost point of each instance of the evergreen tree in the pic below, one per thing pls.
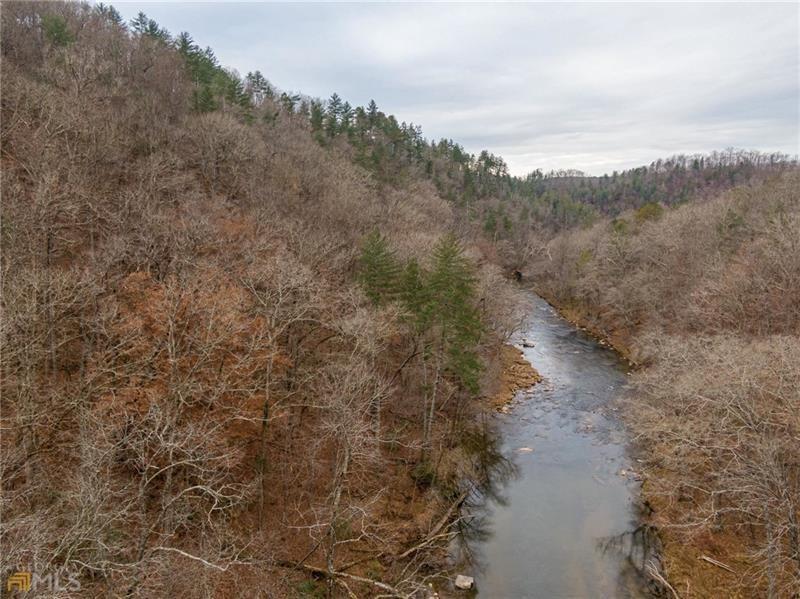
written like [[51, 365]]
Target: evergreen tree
[[490, 224], [139, 24], [233, 88], [203, 100], [372, 114], [109, 12], [346, 114], [452, 292], [185, 45], [317, 117], [360, 122], [144, 26], [258, 88], [289, 102], [56, 31], [378, 269], [334, 110], [415, 295]]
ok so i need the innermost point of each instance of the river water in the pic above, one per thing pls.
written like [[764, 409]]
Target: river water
[[563, 525]]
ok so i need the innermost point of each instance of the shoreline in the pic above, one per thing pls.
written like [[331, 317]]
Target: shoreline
[[516, 374], [684, 566], [617, 340]]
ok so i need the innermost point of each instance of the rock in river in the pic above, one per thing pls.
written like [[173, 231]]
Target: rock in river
[[464, 583]]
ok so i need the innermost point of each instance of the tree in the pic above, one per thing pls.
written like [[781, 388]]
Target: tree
[[204, 101], [290, 101], [452, 290], [317, 120], [490, 223], [378, 269], [56, 30], [139, 24], [258, 88], [372, 114], [283, 294], [109, 12], [414, 294], [185, 45], [346, 114], [142, 25], [334, 111]]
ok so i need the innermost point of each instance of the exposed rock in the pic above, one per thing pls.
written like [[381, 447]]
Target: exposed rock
[[527, 343], [464, 583]]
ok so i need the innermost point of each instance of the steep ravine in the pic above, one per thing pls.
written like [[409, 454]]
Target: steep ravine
[[566, 524]]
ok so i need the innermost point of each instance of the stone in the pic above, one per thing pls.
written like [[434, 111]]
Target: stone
[[464, 583], [527, 343]]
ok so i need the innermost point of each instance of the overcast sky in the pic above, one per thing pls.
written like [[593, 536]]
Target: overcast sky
[[595, 87]]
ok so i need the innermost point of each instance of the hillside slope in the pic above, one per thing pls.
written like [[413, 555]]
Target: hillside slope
[[705, 297], [197, 391], [246, 332]]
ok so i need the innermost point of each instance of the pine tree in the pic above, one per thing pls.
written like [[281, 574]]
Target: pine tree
[[233, 89], [290, 101], [378, 269], [139, 24], [56, 31], [346, 114], [359, 124], [372, 114], [144, 26], [185, 45], [334, 110], [257, 87], [109, 12], [317, 117], [203, 100], [490, 223], [414, 294], [452, 291]]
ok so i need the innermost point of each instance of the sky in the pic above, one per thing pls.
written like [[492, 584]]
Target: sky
[[590, 86]]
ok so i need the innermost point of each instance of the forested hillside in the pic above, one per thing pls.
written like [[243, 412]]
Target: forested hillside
[[247, 333], [706, 298], [232, 358]]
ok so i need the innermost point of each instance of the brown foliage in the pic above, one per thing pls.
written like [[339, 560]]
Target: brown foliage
[[194, 390], [708, 297], [721, 419]]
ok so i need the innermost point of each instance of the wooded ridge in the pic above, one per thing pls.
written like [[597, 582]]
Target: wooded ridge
[[247, 333]]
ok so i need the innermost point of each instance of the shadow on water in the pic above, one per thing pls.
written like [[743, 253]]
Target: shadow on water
[[553, 514], [493, 470], [640, 551]]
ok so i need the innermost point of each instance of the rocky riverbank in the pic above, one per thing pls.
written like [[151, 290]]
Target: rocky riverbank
[[516, 374]]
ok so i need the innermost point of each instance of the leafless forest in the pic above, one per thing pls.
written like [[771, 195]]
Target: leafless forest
[[246, 334], [197, 395], [706, 298]]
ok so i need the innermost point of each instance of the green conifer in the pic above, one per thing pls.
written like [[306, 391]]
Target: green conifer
[[452, 291], [378, 270]]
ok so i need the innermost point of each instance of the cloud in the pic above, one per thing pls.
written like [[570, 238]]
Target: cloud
[[596, 87]]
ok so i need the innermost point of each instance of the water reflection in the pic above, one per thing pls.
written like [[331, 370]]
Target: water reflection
[[493, 470], [640, 551], [553, 512]]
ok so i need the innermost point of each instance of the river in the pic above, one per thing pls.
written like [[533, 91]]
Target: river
[[562, 526]]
